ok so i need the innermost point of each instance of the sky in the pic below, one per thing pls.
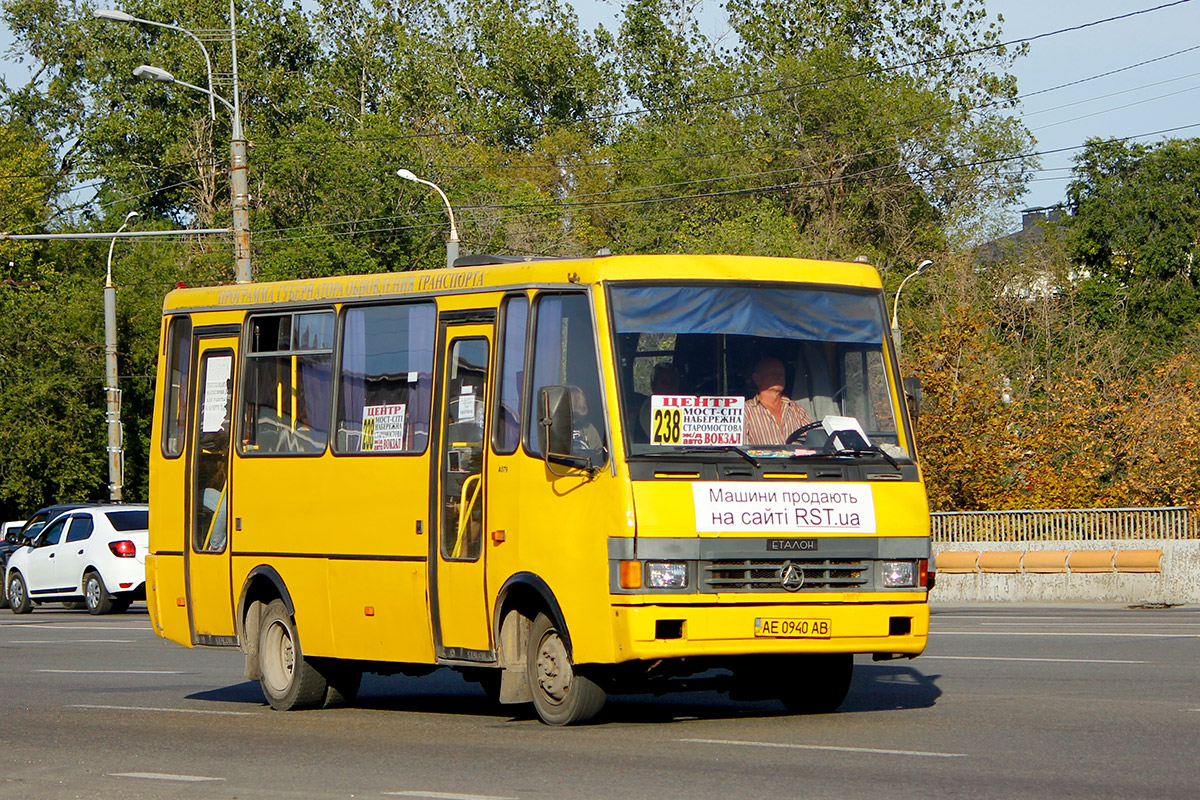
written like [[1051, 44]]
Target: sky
[[1135, 102]]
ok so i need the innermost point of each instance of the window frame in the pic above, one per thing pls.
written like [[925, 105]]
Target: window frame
[[500, 357], [249, 355], [535, 311], [181, 417], [338, 357]]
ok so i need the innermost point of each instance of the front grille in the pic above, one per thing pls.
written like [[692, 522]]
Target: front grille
[[759, 575]]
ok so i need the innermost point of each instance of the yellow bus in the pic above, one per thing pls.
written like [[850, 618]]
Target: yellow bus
[[564, 478]]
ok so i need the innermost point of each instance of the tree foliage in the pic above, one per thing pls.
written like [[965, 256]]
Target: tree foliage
[[1136, 218]]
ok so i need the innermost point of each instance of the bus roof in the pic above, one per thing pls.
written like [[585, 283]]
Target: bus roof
[[534, 272]]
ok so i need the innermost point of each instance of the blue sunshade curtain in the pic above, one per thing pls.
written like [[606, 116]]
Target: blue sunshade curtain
[[829, 316]]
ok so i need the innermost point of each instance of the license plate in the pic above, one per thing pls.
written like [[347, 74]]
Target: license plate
[[793, 628]]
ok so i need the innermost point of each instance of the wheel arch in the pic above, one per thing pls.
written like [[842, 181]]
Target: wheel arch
[[528, 593], [262, 585]]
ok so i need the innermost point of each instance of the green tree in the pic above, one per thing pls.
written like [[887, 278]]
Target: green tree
[[1135, 213]]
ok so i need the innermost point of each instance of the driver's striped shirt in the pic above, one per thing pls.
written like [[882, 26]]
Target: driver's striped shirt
[[761, 426]]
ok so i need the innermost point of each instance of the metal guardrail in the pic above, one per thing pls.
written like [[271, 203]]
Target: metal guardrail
[[1066, 524]]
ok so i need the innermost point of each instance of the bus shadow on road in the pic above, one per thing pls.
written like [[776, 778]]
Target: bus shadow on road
[[890, 686], [875, 687]]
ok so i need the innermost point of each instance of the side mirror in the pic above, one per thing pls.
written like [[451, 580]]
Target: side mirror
[[912, 395], [554, 421], [555, 434]]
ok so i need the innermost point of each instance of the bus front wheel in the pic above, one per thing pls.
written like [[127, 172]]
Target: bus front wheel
[[561, 695], [815, 684], [288, 680]]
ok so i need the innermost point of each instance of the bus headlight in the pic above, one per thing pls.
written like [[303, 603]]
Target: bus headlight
[[899, 573], [666, 575]]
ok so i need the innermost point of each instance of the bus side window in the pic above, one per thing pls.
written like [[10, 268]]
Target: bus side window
[[564, 353], [179, 364], [509, 406], [288, 384], [385, 389]]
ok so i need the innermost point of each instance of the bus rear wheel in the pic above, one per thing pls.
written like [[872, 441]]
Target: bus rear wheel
[[289, 681], [561, 695]]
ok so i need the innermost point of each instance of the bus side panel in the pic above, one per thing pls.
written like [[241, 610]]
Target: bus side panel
[[559, 531], [378, 611], [352, 521]]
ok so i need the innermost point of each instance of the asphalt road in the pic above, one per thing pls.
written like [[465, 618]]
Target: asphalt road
[[1009, 701]]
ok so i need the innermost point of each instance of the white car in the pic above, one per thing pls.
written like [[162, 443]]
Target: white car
[[97, 554]]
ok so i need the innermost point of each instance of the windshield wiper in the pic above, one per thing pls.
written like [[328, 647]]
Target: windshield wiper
[[866, 451], [721, 448]]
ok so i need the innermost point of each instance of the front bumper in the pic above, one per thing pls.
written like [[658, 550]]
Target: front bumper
[[653, 631]]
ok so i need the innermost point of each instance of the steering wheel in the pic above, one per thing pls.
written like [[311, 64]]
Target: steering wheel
[[799, 432]]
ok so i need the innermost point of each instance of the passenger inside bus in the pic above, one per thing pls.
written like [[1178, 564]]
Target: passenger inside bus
[[663, 380]]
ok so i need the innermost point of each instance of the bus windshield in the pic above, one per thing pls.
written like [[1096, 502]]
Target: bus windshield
[[773, 370]]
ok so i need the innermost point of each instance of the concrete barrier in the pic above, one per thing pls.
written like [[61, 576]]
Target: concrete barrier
[[1129, 571]]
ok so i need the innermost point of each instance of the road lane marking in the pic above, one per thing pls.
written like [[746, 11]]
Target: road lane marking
[[446, 795], [51, 626], [174, 710], [163, 776], [1067, 633], [72, 641], [112, 671], [936, 615], [874, 750], [1084, 624], [1051, 660]]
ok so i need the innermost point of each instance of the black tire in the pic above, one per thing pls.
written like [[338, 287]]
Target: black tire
[[561, 694], [95, 594], [289, 680], [18, 595], [74, 605], [121, 604], [814, 684], [343, 679]]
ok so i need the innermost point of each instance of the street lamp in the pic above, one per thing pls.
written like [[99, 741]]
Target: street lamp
[[924, 265], [239, 187], [112, 390], [452, 242], [113, 15]]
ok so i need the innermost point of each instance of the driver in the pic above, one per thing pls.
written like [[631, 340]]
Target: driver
[[771, 416]]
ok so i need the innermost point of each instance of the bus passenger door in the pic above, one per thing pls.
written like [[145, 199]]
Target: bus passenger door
[[209, 592], [462, 630]]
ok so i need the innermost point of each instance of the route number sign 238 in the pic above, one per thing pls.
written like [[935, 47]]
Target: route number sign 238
[[666, 426]]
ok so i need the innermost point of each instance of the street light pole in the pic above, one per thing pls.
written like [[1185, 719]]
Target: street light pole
[[924, 265], [239, 183], [112, 389], [451, 243]]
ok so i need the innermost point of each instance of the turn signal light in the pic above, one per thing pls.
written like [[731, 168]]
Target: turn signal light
[[631, 574], [123, 548], [924, 570]]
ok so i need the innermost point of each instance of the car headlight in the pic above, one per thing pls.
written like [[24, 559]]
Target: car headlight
[[666, 575], [899, 573]]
